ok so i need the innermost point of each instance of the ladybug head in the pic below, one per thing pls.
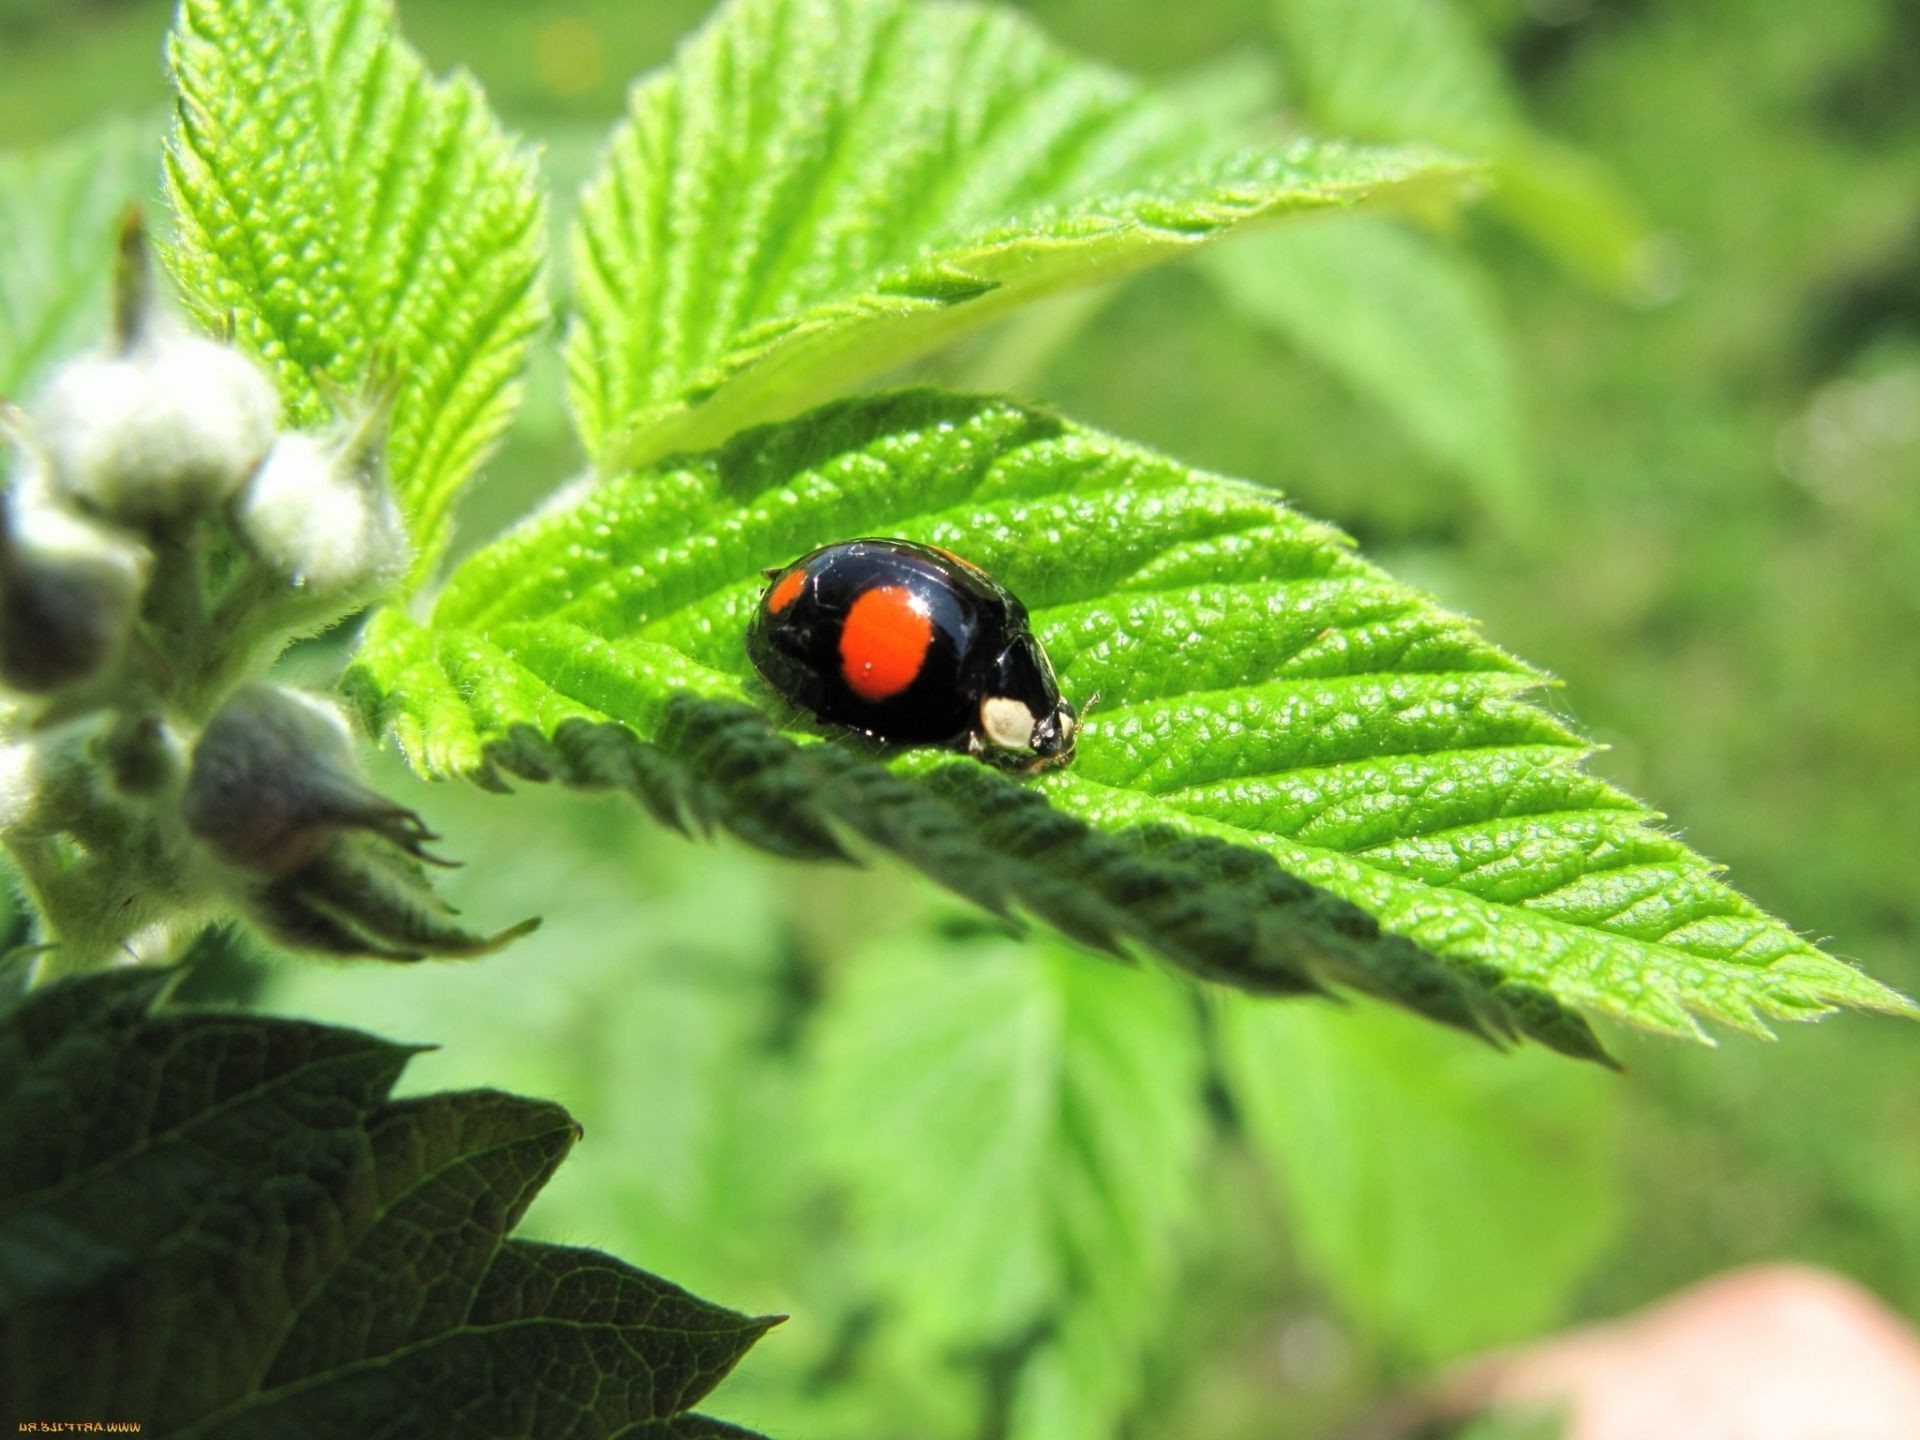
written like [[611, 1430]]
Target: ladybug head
[[1053, 737], [1022, 708]]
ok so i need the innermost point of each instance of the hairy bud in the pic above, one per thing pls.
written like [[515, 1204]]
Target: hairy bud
[[274, 782], [69, 589], [172, 427], [161, 424], [325, 863], [321, 516], [20, 788]]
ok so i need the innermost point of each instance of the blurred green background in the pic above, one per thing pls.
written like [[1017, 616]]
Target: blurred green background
[[1009, 1190]]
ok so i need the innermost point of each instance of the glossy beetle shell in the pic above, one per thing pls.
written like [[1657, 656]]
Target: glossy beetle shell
[[905, 642]]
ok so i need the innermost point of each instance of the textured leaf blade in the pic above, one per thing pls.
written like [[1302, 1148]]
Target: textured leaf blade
[[1413, 70], [816, 190], [1451, 1199], [57, 208], [385, 222], [307, 1253], [1065, 1094], [1404, 323], [1269, 700]]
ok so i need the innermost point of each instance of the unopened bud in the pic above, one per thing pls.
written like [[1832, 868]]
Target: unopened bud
[[160, 424], [69, 589], [274, 782], [19, 786], [324, 863], [320, 514], [171, 428]]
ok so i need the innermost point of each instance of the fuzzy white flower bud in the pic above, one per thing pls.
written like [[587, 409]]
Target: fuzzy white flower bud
[[171, 425], [19, 785], [320, 514]]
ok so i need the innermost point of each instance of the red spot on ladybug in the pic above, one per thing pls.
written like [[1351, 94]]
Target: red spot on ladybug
[[787, 591], [884, 641]]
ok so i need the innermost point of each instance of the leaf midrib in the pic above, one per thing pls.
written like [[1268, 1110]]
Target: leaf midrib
[[297, 1309]]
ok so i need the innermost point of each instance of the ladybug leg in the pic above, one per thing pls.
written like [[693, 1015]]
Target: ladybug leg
[[773, 572], [1040, 764], [974, 745]]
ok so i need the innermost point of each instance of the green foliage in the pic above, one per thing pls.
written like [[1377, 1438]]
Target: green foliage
[[1260, 685], [221, 1225], [57, 210], [1413, 70], [386, 224], [1406, 323], [1018, 1130], [819, 189], [748, 1001], [1479, 1198]]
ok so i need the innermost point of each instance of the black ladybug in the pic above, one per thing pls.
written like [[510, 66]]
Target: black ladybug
[[910, 643]]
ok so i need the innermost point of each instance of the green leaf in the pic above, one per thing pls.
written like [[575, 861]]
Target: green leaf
[[1449, 1197], [57, 212], [1401, 320], [305, 1255], [1271, 707], [352, 214], [1413, 70], [816, 190], [1019, 1132]]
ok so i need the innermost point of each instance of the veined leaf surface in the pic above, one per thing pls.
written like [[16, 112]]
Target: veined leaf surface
[[351, 214], [816, 190], [1271, 706], [222, 1225]]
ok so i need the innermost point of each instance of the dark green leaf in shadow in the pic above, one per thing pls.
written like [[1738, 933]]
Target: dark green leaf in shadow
[[220, 1224]]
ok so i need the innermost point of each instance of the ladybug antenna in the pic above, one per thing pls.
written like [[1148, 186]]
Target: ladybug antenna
[[1087, 709]]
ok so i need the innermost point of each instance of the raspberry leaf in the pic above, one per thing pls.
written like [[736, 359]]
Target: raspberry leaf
[[307, 1254], [386, 227], [1291, 748], [817, 190]]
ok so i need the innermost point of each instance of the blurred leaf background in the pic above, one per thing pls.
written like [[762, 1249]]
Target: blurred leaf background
[[1653, 414]]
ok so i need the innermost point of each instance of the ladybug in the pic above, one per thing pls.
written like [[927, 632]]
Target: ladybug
[[909, 643]]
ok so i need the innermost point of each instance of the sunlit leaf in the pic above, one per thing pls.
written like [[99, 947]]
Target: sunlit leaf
[[349, 213], [1274, 710], [818, 189], [220, 1225]]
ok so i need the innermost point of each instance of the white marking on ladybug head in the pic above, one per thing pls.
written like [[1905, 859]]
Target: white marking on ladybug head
[[1007, 722]]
